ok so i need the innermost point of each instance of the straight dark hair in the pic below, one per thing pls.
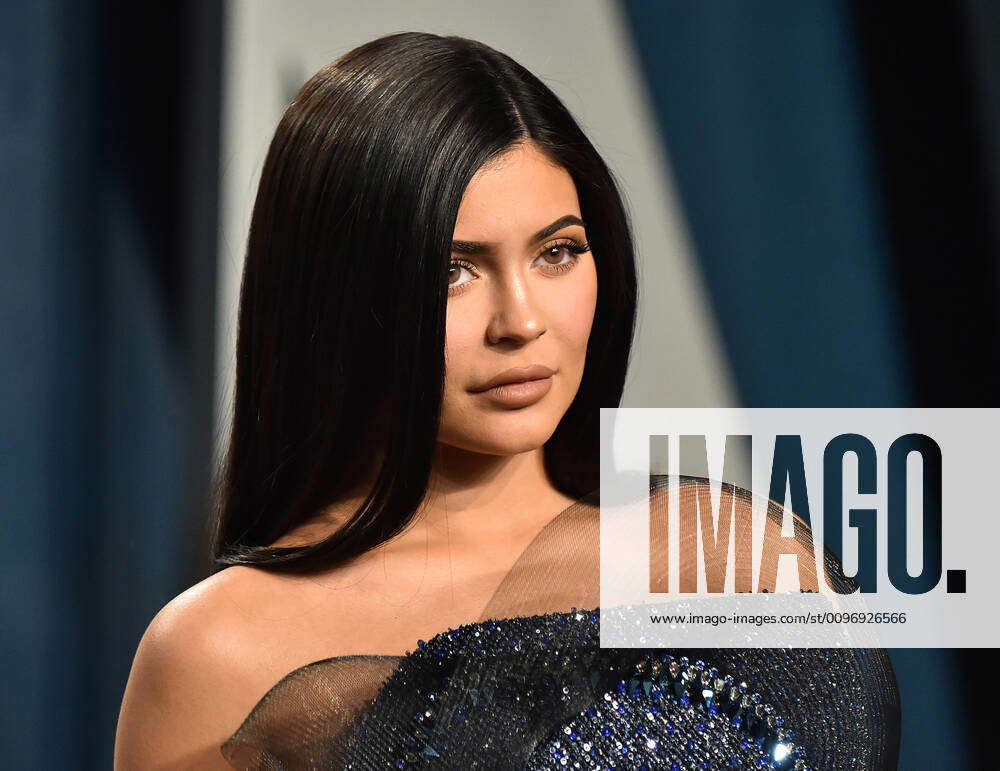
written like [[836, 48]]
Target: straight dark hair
[[341, 328]]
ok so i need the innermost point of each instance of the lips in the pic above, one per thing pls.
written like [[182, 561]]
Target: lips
[[516, 375]]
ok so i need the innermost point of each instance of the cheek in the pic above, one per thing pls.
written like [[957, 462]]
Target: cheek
[[574, 315], [461, 341]]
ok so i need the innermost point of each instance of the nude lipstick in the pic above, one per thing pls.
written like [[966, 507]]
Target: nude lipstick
[[518, 386]]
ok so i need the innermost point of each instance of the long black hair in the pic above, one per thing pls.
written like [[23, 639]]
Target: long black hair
[[341, 328]]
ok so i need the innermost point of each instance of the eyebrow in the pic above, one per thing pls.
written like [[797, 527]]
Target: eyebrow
[[478, 247]]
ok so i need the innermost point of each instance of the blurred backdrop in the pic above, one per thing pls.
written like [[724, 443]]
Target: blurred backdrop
[[814, 186]]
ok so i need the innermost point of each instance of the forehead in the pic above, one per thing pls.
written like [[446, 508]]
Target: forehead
[[517, 193]]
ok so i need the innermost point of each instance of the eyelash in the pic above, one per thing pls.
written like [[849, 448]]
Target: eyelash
[[571, 245]]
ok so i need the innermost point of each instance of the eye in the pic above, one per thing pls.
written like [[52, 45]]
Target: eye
[[562, 256], [555, 258], [455, 278]]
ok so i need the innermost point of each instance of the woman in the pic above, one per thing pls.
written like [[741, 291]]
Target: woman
[[439, 295]]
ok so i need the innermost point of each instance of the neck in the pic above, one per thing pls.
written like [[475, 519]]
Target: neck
[[478, 494], [471, 497]]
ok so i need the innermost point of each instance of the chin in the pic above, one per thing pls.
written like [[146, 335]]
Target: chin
[[506, 435]]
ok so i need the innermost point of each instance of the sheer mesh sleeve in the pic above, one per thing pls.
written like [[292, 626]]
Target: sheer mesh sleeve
[[511, 688], [301, 721]]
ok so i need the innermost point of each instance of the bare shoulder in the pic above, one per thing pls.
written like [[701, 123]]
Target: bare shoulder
[[198, 670]]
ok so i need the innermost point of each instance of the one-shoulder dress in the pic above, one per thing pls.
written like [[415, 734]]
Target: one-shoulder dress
[[527, 686]]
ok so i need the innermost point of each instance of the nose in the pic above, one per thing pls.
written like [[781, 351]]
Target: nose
[[517, 317]]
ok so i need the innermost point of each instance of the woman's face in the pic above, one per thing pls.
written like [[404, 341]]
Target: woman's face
[[522, 293]]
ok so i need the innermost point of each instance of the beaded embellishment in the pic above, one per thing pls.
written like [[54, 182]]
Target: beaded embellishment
[[641, 709], [690, 704]]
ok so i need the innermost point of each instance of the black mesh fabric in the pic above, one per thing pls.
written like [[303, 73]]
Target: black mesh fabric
[[527, 686]]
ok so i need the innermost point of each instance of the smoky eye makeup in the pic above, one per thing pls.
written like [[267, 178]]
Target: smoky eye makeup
[[570, 246], [566, 250]]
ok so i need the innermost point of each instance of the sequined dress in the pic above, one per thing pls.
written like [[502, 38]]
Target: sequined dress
[[527, 686]]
